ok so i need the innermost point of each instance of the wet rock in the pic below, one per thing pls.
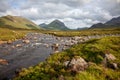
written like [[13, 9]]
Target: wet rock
[[18, 45], [3, 62], [13, 47], [56, 51], [35, 38], [55, 46], [46, 45], [9, 42], [17, 71], [26, 41], [1, 42], [58, 38]]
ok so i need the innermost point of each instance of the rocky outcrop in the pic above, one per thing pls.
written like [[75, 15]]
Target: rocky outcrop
[[108, 61], [77, 64]]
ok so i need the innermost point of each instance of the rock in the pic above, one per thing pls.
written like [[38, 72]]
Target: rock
[[66, 63], [2, 42], [115, 65], [55, 47], [46, 45], [3, 62], [9, 42], [26, 41], [77, 64], [35, 38], [13, 47], [110, 57], [112, 65], [56, 51], [18, 45], [17, 71], [61, 77], [58, 38], [107, 62]]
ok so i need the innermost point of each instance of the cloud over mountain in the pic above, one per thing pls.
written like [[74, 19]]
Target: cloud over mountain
[[74, 13]]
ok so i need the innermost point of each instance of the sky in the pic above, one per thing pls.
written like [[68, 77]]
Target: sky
[[74, 13]]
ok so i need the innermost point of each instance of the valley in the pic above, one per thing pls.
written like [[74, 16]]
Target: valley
[[35, 48], [55, 52]]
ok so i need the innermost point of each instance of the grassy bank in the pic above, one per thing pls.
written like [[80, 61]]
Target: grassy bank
[[11, 34], [84, 32], [53, 68]]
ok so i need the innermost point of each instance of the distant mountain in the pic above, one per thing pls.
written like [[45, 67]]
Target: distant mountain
[[98, 25], [84, 28], [54, 25], [17, 22], [113, 23], [43, 25]]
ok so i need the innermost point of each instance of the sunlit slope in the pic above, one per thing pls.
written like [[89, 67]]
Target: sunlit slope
[[17, 22]]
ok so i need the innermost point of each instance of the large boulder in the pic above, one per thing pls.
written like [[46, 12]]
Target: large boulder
[[109, 61], [77, 64]]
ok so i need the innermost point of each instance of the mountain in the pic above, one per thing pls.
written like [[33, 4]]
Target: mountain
[[84, 28], [17, 22], [98, 25], [55, 25], [43, 25], [113, 23]]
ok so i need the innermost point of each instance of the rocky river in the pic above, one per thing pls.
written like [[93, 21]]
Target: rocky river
[[32, 49]]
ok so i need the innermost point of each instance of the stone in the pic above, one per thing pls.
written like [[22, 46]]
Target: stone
[[66, 63], [55, 47], [77, 64], [110, 57], [108, 61], [13, 47], [3, 62], [61, 77], [112, 65], [9, 42], [47, 45], [18, 45], [26, 41], [56, 51], [1, 42]]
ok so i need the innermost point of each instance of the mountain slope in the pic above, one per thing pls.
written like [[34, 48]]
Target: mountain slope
[[55, 25], [43, 25], [17, 22], [113, 23]]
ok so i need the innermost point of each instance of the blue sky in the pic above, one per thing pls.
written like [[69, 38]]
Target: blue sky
[[74, 13]]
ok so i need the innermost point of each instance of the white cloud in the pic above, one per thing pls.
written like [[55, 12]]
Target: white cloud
[[74, 13]]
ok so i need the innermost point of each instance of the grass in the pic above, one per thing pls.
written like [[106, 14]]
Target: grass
[[87, 32], [11, 34], [91, 51]]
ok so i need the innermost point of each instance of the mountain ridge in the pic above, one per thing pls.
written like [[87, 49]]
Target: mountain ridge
[[113, 23], [17, 22], [55, 25]]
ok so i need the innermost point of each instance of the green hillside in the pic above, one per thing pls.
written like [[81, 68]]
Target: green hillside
[[92, 51], [55, 25], [17, 22]]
